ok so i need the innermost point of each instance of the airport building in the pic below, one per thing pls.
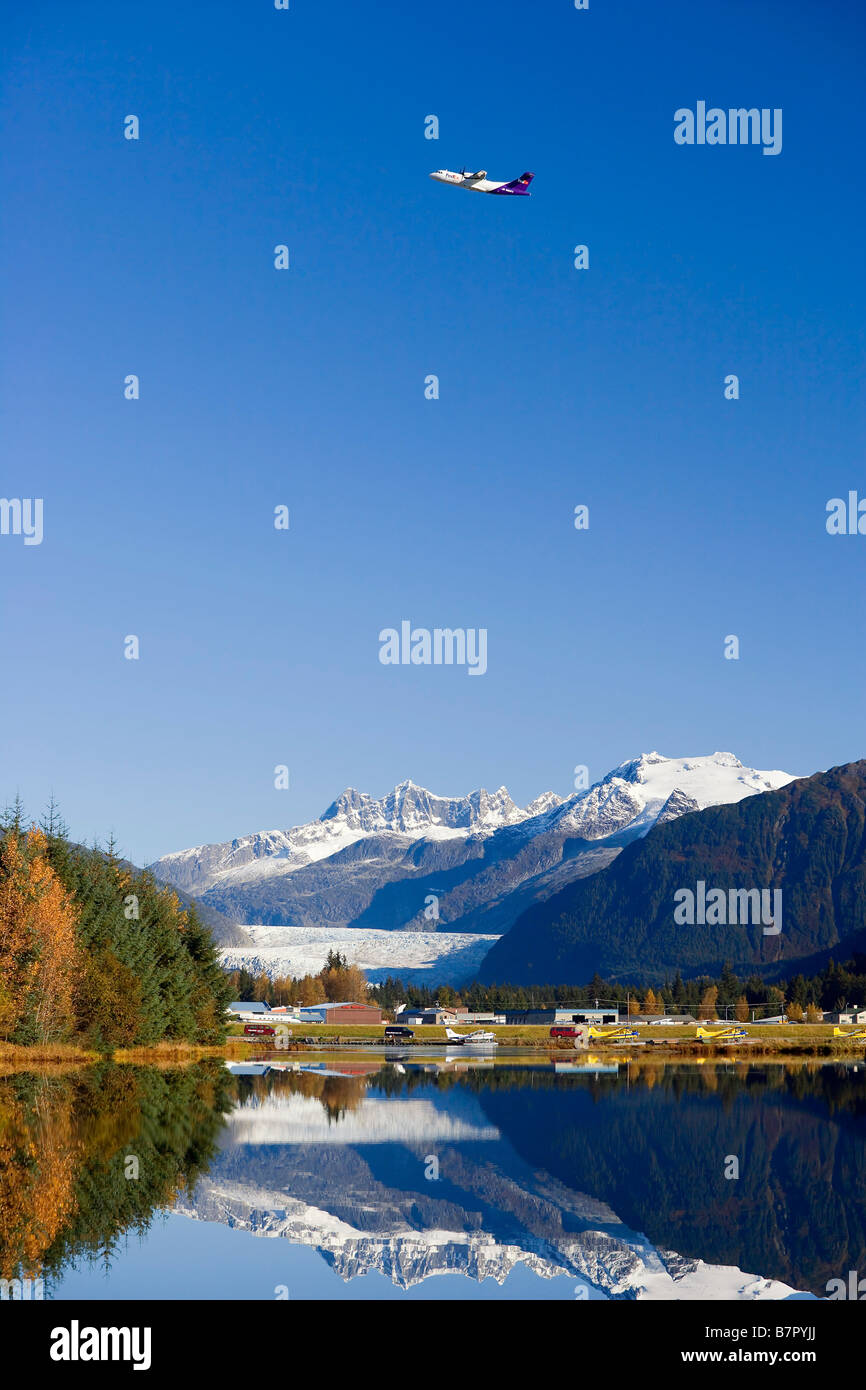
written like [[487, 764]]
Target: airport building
[[246, 1008], [349, 1012], [434, 1014], [563, 1013]]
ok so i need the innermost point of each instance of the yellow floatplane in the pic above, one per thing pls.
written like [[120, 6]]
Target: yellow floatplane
[[722, 1034]]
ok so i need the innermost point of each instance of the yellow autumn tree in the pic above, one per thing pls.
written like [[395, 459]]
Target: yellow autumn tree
[[707, 1007], [39, 955], [344, 984], [261, 989], [38, 1155], [15, 943], [285, 990], [312, 990]]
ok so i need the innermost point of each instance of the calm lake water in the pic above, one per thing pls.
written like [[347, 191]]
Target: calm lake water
[[376, 1176]]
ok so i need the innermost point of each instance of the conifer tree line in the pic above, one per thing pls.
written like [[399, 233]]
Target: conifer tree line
[[801, 997], [95, 950]]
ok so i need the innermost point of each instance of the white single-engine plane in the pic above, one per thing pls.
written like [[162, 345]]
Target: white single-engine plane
[[480, 183], [481, 1036]]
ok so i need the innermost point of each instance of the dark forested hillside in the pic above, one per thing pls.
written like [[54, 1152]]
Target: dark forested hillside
[[807, 840]]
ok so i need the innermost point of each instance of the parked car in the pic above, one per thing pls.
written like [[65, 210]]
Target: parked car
[[398, 1030], [259, 1030], [564, 1030]]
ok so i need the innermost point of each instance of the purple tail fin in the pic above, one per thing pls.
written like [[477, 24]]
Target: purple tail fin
[[518, 186]]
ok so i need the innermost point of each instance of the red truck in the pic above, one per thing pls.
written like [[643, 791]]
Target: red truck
[[259, 1030]]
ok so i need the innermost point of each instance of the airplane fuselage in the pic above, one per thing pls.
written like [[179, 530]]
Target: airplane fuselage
[[473, 182], [480, 183]]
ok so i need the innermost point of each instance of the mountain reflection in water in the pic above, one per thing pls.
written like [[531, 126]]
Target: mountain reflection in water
[[613, 1176]]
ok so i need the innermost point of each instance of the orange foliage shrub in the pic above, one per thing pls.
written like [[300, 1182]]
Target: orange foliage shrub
[[39, 955]]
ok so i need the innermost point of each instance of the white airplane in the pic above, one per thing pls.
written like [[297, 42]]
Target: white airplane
[[480, 183], [479, 1036]]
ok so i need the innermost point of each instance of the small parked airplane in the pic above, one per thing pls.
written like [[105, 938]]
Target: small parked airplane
[[613, 1034], [480, 183], [479, 1036], [858, 1035], [722, 1034]]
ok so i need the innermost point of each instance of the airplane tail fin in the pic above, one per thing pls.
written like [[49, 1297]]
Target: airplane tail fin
[[520, 185]]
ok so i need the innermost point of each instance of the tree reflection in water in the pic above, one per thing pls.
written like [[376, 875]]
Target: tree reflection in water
[[71, 1144]]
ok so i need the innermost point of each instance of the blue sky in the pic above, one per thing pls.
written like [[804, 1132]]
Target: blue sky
[[306, 387]]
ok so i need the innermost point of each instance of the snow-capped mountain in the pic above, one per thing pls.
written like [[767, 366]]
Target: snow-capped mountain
[[289, 1170], [412, 810], [639, 792], [372, 863], [607, 1263], [409, 811]]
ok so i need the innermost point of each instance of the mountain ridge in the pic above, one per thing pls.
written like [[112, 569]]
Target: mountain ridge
[[412, 860], [805, 840]]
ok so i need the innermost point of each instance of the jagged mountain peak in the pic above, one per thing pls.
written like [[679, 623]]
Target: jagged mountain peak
[[348, 800], [677, 804], [548, 801], [409, 808]]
